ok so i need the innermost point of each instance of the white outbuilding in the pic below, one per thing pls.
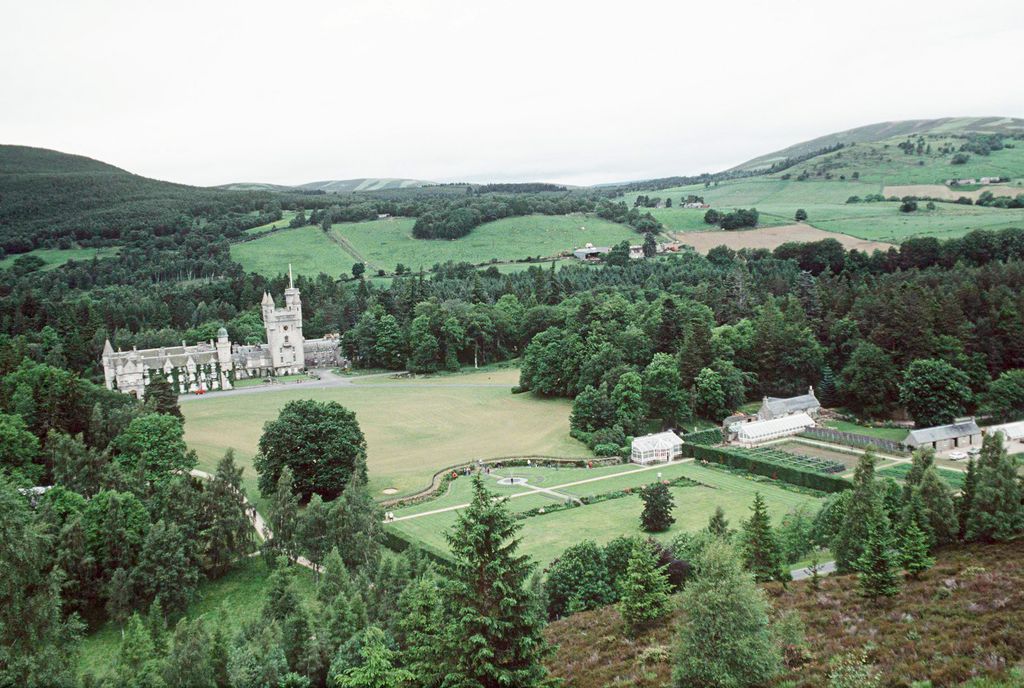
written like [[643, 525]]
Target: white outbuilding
[[764, 430], [656, 448]]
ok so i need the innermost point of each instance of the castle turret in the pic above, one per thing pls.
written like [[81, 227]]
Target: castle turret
[[284, 331], [224, 359], [109, 373]]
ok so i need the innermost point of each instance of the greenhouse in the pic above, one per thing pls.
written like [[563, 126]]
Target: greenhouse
[[657, 448], [765, 430]]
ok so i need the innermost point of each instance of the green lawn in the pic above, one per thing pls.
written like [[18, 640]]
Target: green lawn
[[55, 257], [286, 217], [307, 249], [954, 479], [412, 427], [239, 594], [545, 537]]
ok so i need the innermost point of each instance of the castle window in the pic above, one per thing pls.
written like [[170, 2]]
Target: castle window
[[285, 328], [286, 338]]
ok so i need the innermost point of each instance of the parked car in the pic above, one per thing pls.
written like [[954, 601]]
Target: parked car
[[957, 456], [974, 451]]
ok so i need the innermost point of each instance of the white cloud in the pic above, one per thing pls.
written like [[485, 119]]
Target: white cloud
[[211, 92]]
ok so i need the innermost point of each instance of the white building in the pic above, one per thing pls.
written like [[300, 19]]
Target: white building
[[775, 407], [208, 366], [1011, 431], [765, 430], [657, 448], [963, 433]]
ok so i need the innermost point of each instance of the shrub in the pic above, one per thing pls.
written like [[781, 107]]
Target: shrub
[[738, 458]]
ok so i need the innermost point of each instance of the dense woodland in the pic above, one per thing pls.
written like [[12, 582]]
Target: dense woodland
[[934, 329]]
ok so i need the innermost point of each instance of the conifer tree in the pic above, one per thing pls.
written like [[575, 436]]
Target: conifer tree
[[378, 668], [723, 602], [417, 631], [966, 500], [160, 397], [717, 524], [644, 596], [658, 504], [761, 553], [876, 564], [863, 507], [189, 659], [996, 513], [493, 635], [914, 542], [230, 534], [163, 572], [284, 520], [313, 532], [137, 660], [356, 519]]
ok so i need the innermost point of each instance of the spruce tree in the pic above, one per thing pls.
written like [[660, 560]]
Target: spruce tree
[[160, 397], [966, 501], [996, 513], [658, 504], [377, 669], [761, 553], [644, 591], [939, 507], [137, 661], [914, 542], [717, 524], [283, 521], [230, 534], [863, 507], [876, 566], [418, 629], [189, 661], [723, 603], [493, 634]]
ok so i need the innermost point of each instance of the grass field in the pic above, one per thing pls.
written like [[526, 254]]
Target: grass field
[[239, 593], [545, 537], [382, 244], [413, 427], [286, 217], [954, 479], [894, 434], [55, 257]]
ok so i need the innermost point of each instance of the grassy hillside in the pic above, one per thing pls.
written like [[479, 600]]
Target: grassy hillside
[[887, 130], [962, 620]]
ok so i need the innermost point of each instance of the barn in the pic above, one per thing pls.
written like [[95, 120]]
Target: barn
[[963, 433]]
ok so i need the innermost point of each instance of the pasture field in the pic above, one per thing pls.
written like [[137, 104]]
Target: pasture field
[[55, 257], [286, 217], [307, 249], [238, 593], [544, 537], [412, 427], [384, 243], [770, 238], [953, 478]]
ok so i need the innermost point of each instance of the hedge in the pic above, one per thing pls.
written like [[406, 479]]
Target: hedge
[[704, 438], [794, 476]]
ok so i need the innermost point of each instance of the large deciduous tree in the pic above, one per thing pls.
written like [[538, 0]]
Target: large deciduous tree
[[934, 392], [155, 445], [320, 441]]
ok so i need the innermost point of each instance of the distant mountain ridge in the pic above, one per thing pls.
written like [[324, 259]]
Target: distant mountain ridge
[[334, 185], [886, 130]]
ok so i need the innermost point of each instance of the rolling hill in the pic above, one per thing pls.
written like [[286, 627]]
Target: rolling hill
[[333, 186]]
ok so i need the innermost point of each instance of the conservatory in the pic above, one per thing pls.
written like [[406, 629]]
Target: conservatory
[[657, 448], [764, 430]]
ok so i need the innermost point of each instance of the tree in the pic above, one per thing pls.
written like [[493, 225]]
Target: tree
[[644, 589], [1005, 397], [358, 269], [423, 345], [723, 602], [356, 525], [378, 669], [914, 542], [283, 517], [618, 255], [592, 409], [718, 525], [934, 392], [708, 395], [996, 512], [801, 215], [160, 398], [18, 449], [138, 664], [966, 501], [658, 504], [650, 246], [229, 535], [869, 381], [630, 409], [163, 572], [761, 553], [876, 565], [578, 580], [862, 508], [418, 631], [313, 532], [189, 660], [155, 445], [663, 391], [320, 441], [492, 635], [76, 465]]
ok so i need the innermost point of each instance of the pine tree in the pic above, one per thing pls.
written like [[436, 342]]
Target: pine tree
[[996, 513], [284, 520], [378, 668], [717, 524], [658, 505], [876, 566], [863, 507], [644, 596], [966, 501], [723, 603], [492, 635], [189, 659], [914, 542], [230, 534], [160, 397], [761, 553], [137, 660]]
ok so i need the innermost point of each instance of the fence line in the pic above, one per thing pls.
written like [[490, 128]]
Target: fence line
[[853, 439]]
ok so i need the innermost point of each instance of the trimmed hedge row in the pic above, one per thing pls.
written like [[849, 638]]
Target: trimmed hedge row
[[704, 438], [788, 474]]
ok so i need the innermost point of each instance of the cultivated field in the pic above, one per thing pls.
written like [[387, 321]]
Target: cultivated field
[[953, 193], [545, 536], [413, 427], [55, 257], [771, 237]]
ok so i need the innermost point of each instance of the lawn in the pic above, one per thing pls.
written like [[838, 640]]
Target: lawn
[[307, 249], [413, 427], [954, 479], [545, 537], [239, 594], [55, 257], [384, 243], [286, 218]]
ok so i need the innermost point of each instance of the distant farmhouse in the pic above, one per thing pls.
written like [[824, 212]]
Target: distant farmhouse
[[963, 433], [216, 365], [591, 252], [777, 417], [775, 407]]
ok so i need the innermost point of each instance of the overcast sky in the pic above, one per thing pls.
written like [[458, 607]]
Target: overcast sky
[[576, 92]]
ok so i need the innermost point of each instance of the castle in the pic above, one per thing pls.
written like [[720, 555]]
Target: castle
[[211, 365]]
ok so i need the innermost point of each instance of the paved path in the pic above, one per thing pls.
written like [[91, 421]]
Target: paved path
[[262, 530], [824, 569]]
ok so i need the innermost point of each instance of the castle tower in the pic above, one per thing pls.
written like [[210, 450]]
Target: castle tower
[[109, 372], [284, 331], [224, 358]]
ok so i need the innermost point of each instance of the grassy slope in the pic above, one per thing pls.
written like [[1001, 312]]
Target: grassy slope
[[239, 595], [412, 429], [545, 537], [915, 636], [54, 257], [384, 243]]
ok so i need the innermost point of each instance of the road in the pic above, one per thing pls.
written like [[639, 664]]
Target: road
[[824, 569]]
